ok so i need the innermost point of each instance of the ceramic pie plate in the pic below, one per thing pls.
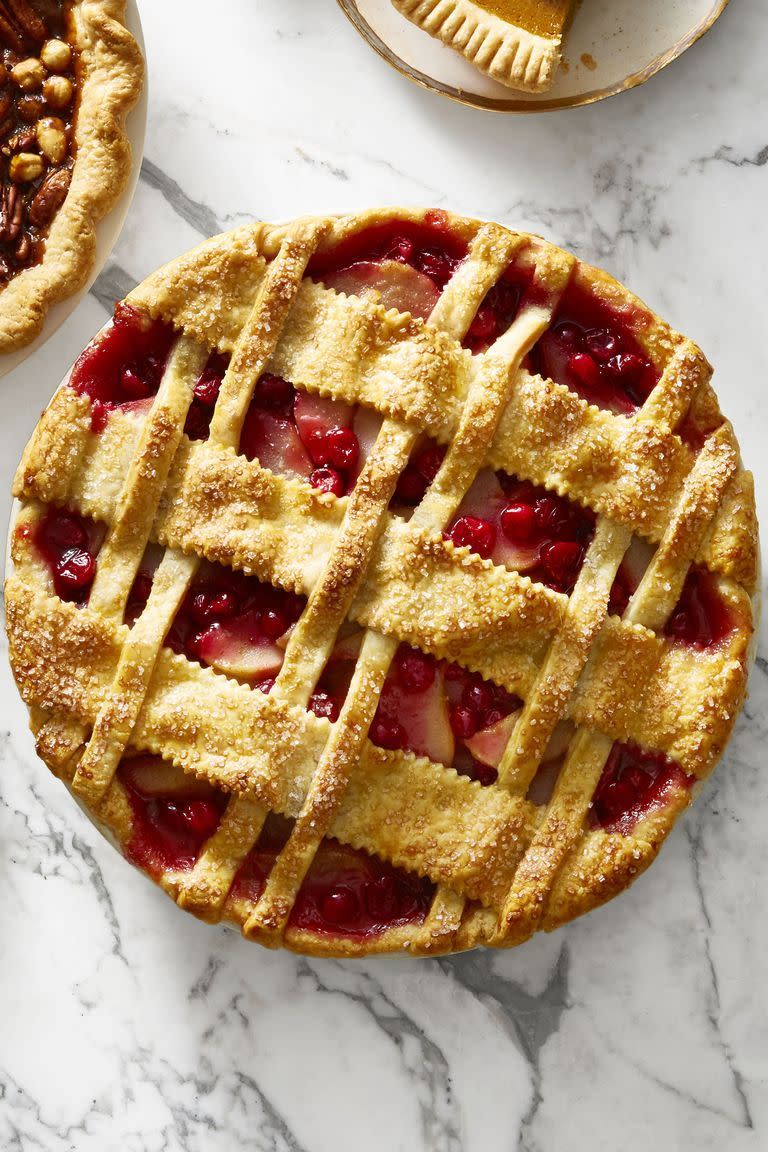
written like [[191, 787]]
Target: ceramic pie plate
[[613, 45], [107, 230]]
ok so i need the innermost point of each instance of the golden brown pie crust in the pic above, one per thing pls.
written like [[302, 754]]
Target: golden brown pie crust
[[516, 42], [503, 867], [111, 72]]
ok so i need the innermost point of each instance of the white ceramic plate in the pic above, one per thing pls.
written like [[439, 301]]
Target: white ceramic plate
[[108, 229], [613, 45]]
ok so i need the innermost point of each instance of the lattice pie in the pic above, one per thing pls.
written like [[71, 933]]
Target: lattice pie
[[516, 42], [384, 582]]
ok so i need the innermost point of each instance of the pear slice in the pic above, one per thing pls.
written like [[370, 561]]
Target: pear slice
[[275, 443], [237, 649], [398, 285], [315, 414], [153, 776], [488, 744], [425, 718]]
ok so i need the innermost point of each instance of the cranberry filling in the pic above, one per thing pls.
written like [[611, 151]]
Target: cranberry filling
[[346, 892], [418, 474], [696, 429], [313, 438], [227, 621], [427, 706], [624, 587], [632, 784], [499, 308], [590, 349], [326, 442], [69, 543], [524, 527], [205, 395], [173, 814], [430, 248], [124, 365], [701, 619]]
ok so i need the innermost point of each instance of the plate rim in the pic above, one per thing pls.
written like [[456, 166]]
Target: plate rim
[[516, 105]]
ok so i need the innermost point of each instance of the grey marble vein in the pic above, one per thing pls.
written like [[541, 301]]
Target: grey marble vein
[[744, 1117], [728, 155], [423, 1059], [530, 1020], [196, 214], [113, 284], [314, 162]]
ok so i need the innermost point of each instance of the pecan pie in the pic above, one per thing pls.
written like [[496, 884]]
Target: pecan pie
[[516, 42], [384, 582], [70, 73]]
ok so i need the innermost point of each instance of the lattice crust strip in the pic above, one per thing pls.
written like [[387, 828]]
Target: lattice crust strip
[[502, 866], [486, 398]]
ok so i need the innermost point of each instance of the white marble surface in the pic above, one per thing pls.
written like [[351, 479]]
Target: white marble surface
[[125, 1024]]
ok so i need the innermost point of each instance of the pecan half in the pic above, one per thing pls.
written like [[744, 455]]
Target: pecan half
[[23, 248], [30, 108], [11, 213], [20, 141], [49, 197], [9, 33], [28, 20]]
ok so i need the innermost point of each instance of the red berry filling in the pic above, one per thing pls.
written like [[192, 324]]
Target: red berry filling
[[498, 309], [206, 393], [227, 621], [429, 248], [623, 589], [312, 438], [346, 892], [173, 814], [632, 784], [124, 365], [591, 350], [427, 706], [701, 618], [475, 533], [695, 430], [418, 474], [69, 544], [524, 527]]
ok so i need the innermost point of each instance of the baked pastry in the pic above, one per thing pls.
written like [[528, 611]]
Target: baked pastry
[[517, 42], [384, 582], [70, 74]]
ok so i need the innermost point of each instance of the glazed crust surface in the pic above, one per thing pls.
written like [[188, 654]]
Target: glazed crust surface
[[111, 74], [503, 867]]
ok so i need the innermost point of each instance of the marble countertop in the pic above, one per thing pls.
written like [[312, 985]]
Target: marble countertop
[[125, 1024]]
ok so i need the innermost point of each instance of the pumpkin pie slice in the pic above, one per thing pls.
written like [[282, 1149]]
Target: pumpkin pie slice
[[517, 42]]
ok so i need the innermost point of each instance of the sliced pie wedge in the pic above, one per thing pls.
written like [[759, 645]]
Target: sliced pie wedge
[[517, 42]]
